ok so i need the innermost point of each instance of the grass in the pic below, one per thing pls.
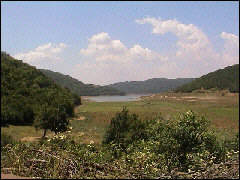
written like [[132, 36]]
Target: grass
[[24, 133], [159, 153], [66, 159], [222, 111]]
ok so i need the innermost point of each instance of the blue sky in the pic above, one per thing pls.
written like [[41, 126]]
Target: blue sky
[[107, 42]]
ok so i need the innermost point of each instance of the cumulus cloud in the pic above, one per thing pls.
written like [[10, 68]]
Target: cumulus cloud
[[232, 38], [102, 48], [195, 53], [108, 61], [43, 55], [191, 40], [103, 73], [230, 54]]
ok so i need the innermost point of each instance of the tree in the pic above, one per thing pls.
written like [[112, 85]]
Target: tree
[[24, 87], [51, 118], [124, 129]]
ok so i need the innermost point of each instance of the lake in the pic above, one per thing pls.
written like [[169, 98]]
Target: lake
[[128, 97]]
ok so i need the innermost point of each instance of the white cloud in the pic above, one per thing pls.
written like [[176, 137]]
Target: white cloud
[[43, 56], [102, 48], [195, 53], [100, 38], [191, 40], [232, 38], [230, 54], [108, 61]]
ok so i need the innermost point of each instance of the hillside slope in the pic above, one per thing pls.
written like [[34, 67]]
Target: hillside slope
[[79, 87], [25, 90], [155, 85], [227, 78]]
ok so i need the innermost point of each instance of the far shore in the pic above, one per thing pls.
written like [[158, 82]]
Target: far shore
[[138, 98]]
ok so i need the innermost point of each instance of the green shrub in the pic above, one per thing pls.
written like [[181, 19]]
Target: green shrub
[[185, 137], [189, 133], [124, 129], [177, 141], [156, 150]]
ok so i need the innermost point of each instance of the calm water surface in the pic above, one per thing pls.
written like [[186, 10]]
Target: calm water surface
[[128, 97]]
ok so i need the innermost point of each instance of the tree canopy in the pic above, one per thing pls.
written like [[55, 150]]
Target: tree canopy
[[227, 78], [79, 87], [27, 95], [155, 85]]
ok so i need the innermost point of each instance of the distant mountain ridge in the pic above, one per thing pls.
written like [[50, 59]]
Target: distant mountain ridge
[[154, 85], [79, 87], [227, 78]]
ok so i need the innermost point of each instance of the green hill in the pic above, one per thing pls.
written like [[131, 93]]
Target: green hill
[[227, 78], [155, 85], [79, 87], [25, 90]]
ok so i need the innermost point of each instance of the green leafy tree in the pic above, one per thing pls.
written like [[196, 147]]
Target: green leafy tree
[[227, 78], [51, 118], [190, 133], [23, 88], [124, 129]]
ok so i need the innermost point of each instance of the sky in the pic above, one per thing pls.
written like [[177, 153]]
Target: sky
[[107, 42]]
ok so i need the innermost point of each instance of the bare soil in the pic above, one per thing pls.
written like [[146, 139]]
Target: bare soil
[[30, 139], [11, 176], [81, 118]]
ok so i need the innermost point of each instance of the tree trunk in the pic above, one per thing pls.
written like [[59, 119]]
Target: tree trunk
[[44, 134]]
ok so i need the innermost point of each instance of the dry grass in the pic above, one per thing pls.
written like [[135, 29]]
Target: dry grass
[[222, 111], [24, 133], [92, 118]]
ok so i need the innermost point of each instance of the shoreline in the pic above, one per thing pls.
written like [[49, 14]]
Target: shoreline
[[117, 98]]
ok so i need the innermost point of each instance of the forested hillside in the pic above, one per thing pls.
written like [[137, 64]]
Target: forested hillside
[[27, 94], [155, 85], [79, 87], [227, 78]]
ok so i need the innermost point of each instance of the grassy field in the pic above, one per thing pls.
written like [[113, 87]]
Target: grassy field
[[92, 118]]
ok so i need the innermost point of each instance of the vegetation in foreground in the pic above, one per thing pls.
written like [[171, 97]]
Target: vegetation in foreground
[[149, 148]]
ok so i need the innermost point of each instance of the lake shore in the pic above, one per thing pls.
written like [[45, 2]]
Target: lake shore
[[128, 97]]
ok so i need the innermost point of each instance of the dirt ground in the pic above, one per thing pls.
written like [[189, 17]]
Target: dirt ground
[[80, 118], [31, 139], [11, 176]]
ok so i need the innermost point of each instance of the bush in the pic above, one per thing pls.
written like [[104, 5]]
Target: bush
[[180, 141], [124, 129], [156, 150], [183, 138], [193, 136]]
